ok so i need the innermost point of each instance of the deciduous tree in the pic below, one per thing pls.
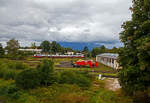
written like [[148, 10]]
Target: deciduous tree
[[33, 45], [13, 46], [46, 72], [1, 50], [86, 49], [45, 45], [99, 50], [135, 55], [55, 47]]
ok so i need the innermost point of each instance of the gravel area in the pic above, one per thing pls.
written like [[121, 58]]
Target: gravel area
[[113, 84], [65, 64]]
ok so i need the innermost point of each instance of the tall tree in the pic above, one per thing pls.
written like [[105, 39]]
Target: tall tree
[[46, 71], [113, 50], [86, 52], [102, 47], [1, 50], [135, 55], [33, 45], [45, 45], [55, 47], [95, 51], [99, 50], [86, 49], [12, 46]]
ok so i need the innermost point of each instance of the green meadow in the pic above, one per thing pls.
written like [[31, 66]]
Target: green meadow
[[69, 85]]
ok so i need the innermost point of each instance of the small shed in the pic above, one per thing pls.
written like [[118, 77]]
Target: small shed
[[109, 59]]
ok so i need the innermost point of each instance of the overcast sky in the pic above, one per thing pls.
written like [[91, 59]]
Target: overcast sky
[[63, 20]]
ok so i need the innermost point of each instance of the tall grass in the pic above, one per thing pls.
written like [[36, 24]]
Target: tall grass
[[82, 79], [60, 93], [70, 88], [8, 73], [9, 70], [9, 93]]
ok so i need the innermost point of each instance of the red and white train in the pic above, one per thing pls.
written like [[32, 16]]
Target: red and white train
[[57, 56]]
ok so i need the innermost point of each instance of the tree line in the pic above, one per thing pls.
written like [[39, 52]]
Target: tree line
[[50, 48]]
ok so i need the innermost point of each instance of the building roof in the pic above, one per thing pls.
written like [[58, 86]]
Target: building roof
[[109, 55], [33, 50]]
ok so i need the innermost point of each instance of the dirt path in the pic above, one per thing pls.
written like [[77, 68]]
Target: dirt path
[[113, 84], [65, 64]]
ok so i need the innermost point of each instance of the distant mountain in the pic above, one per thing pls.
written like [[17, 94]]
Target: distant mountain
[[79, 45]]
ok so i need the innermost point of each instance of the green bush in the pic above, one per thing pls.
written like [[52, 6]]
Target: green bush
[[19, 57], [20, 65], [46, 72], [17, 65], [16, 56], [79, 78], [10, 91], [43, 75], [2, 66], [8, 73], [83, 81], [28, 79], [11, 69], [11, 65], [67, 77]]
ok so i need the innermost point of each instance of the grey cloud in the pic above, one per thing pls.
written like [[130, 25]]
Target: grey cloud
[[74, 20]]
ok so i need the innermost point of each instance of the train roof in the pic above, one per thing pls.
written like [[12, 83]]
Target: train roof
[[109, 55]]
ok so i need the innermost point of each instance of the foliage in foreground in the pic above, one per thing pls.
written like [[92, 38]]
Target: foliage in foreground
[[135, 55], [73, 77], [60, 93], [1, 50], [9, 70], [28, 79], [42, 75], [46, 72]]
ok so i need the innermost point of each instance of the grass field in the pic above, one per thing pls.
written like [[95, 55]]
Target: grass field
[[101, 69], [62, 93]]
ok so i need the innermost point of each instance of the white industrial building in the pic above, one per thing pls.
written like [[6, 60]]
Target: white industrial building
[[31, 50], [69, 53], [108, 59]]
